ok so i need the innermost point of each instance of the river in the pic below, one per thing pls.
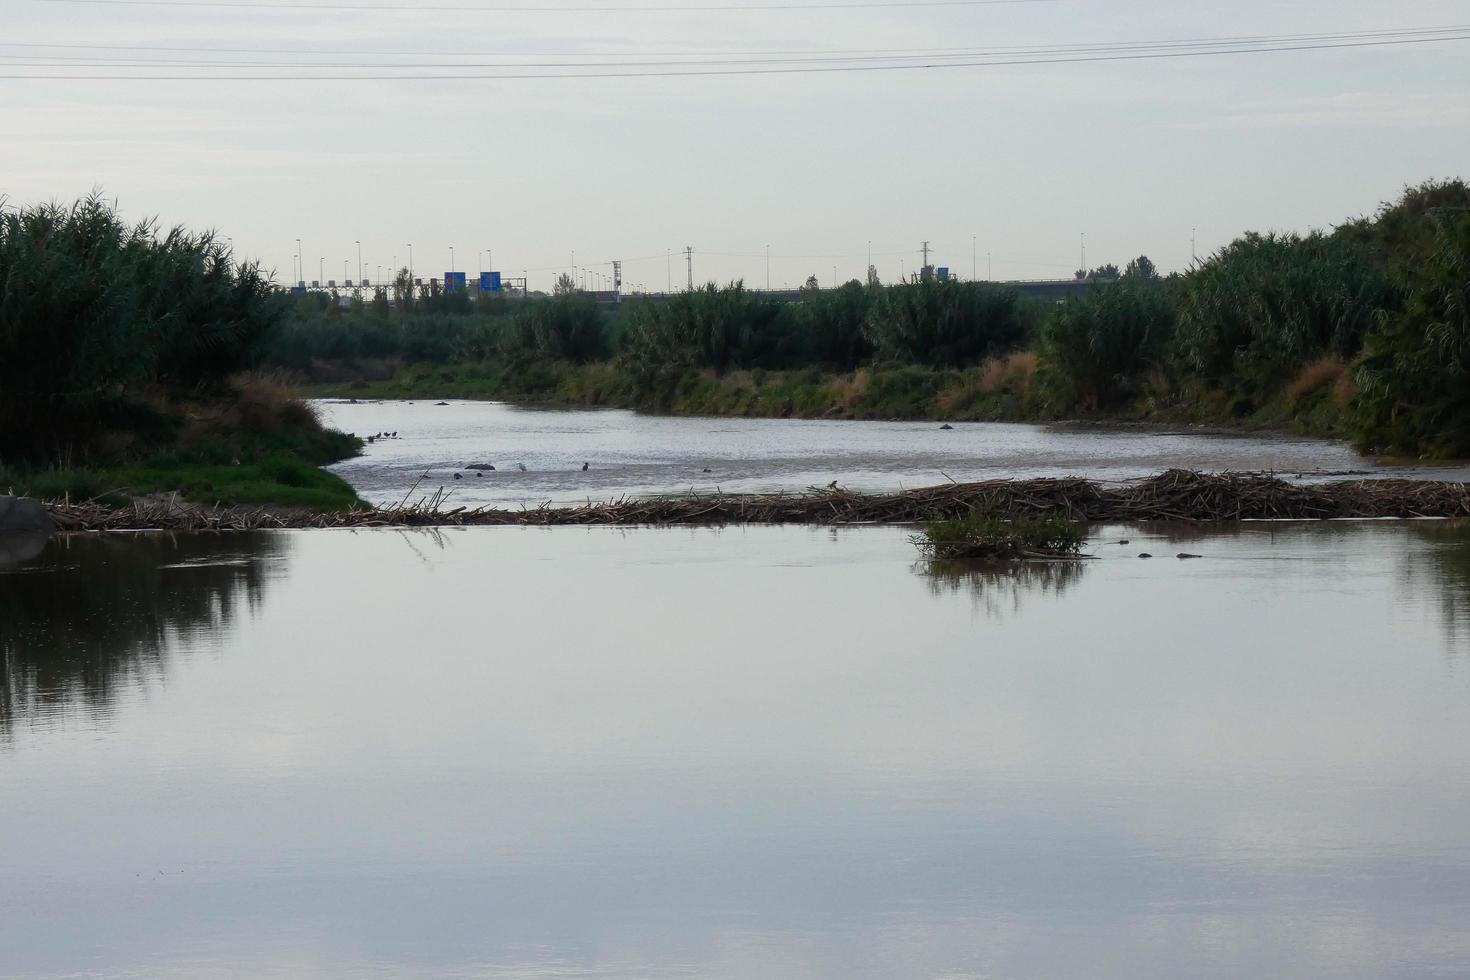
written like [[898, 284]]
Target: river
[[632, 454], [753, 752]]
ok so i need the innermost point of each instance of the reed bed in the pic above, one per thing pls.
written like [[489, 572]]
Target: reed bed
[[1176, 495]]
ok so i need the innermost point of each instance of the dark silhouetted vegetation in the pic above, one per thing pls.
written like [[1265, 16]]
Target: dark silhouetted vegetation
[[123, 347]]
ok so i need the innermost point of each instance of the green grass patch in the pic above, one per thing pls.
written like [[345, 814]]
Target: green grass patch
[[982, 536], [276, 481], [281, 481]]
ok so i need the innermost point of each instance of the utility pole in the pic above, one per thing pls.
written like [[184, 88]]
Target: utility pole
[[924, 269], [972, 258], [359, 261], [1193, 256], [668, 270], [1084, 253], [987, 267], [689, 262], [768, 268]]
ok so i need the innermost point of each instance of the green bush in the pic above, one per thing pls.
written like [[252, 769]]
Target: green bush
[[571, 327], [713, 327], [1414, 379], [94, 313], [1097, 349], [984, 536], [945, 323], [1263, 307]]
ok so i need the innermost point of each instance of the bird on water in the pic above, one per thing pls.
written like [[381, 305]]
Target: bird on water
[[521, 467], [584, 467]]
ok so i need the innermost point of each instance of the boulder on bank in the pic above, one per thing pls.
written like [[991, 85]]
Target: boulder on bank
[[21, 515], [480, 466], [25, 526]]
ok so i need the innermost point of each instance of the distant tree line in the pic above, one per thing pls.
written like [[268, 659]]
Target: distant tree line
[[1371, 315], [100, 321]]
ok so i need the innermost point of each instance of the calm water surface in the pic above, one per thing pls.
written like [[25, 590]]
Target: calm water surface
[[628, 453], [764, 752]]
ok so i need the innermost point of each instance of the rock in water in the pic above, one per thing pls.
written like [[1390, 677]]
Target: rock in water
[[21, 514], [25, 527], [1185, 554], [946, 427], [19, 546]]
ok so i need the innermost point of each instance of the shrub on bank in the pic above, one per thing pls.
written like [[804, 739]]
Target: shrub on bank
[[1414, 379], [1099, 348], [945, 323], [100, 320], [1255, 313]]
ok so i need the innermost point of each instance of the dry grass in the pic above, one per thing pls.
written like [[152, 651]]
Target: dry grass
[[1176, 495], [1346, 389], [1320, 373], [1014, 372], [848, 392], [262, 404]]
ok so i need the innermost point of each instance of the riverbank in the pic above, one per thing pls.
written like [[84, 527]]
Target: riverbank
[[1177, 495], [1000, 390], [254, 443]]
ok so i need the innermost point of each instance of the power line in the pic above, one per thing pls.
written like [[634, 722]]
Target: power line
[[804, 69], [496, 9], [875, 50], [702, 60], [953, 51]]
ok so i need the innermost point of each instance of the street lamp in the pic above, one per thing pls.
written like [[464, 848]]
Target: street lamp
[[321, 270], [300, 272], [451, 258], [359, 261], [768, 268], [410, 268]]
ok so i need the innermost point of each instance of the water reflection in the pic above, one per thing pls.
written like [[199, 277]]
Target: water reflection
[[1444, 567], [758, 752], [999, 588], [92, 615]]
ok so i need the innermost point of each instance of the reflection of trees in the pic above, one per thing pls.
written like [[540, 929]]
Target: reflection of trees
[[999, 587], [1186, 532], [93, 615], [1445, 567]]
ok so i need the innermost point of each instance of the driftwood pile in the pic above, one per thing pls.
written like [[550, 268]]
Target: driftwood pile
[[1176, 495]]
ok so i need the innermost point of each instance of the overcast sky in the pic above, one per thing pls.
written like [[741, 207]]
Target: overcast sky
[[1024, 159]]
